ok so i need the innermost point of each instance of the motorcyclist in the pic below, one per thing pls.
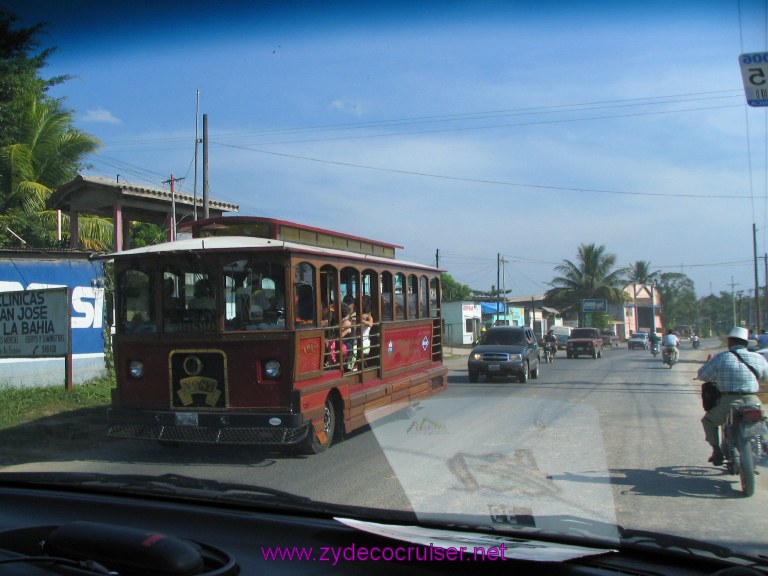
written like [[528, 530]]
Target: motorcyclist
[[737, 374], [671, 343], [550, 340], [654, 339]]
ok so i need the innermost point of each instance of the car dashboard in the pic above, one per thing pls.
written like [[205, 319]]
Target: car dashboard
[[72, 531]]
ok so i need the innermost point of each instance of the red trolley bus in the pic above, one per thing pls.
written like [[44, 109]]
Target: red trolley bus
[[265, 332]]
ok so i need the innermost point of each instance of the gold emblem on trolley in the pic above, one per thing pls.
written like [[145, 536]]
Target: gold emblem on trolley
[[198, 378], [193, 365], [198, 385]]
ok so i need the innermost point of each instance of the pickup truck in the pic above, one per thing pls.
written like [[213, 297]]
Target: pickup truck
[[585, 341]]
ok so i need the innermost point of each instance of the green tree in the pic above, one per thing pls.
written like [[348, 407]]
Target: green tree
[[715, 313], [678, 299], [146, 234], [454, 291], [640, 273], [48, 153], [592, 275], [21, 61]]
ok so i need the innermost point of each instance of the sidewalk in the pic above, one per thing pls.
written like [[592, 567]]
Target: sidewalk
[[455, 357]]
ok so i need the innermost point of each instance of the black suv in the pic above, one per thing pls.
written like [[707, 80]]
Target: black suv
[[505, 350]]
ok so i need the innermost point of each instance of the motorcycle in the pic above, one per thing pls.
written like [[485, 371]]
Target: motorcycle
[[695, 342], [655, 349], [550, 349], [741, 443], [669, 356]]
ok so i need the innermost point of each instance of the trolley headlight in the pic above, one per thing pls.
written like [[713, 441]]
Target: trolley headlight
[[136, 368], [272, 369]]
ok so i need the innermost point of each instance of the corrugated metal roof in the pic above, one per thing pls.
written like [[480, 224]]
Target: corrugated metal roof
[[138, 191]]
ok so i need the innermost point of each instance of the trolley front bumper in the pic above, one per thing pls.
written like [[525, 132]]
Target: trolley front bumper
[[208, 427]]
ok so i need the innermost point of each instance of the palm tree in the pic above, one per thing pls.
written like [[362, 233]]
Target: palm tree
[[640, 273], [591, 276], [48, 154]]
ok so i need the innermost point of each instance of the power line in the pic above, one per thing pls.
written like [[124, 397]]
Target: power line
[[464, 116], [485, 181]]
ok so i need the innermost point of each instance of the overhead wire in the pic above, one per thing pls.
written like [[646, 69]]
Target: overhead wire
[[487, 181]]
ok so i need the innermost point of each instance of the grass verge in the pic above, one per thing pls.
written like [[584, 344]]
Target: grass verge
[[21, 405], [40, 424]]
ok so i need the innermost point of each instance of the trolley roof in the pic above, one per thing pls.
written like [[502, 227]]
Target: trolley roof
[[233, 243], [259, 227]]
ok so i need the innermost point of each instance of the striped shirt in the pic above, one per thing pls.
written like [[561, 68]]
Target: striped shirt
[[731, 374]]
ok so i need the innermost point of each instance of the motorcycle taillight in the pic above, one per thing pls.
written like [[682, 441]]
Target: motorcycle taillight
[[751, 414]]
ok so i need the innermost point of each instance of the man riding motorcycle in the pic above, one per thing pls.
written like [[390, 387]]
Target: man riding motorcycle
[[550, 341], [671, 343], [654, 339], [737, 373]]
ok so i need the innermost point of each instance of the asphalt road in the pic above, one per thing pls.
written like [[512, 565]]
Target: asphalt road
[[616, 440]]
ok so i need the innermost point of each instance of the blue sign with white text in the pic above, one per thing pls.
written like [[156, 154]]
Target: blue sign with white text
[[85, 280]]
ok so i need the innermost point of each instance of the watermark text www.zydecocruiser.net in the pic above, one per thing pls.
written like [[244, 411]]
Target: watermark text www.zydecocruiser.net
[[354, 553]]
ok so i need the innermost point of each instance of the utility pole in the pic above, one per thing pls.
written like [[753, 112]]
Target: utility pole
[[172, 223], [733, 299], [197, 141], [499, 263], [758, 322], [172, 231], [205, 166]]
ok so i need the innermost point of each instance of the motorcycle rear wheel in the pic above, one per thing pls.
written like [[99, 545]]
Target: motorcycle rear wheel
[[747, 468]]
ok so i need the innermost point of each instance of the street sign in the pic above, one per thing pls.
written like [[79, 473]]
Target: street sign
[[754, 74], [594, 305], [34, 323]]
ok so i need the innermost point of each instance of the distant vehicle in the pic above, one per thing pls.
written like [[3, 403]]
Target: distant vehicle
[[562, 333], [638, 340], [584, 341], [609, 338], [505, 351]]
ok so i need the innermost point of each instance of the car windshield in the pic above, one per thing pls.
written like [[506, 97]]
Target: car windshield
[[255, 248], [583, 334], [504, 337]]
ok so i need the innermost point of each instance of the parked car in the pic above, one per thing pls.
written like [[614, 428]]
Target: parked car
[[505, 351], [638, 340]]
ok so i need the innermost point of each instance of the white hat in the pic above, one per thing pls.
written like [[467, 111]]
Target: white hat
[[740, 333]]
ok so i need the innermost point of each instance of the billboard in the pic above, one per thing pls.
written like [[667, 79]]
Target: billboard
[[34, 323], [594, 305]]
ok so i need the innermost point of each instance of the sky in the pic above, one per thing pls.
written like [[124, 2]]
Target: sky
[[466, 132]]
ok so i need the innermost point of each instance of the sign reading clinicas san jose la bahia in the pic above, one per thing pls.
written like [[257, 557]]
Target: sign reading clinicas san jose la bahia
[[34, 323]]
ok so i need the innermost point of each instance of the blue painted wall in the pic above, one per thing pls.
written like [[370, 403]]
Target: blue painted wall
[[85, 280]]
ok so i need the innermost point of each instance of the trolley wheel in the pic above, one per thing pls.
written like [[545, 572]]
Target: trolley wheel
[[312, 444]]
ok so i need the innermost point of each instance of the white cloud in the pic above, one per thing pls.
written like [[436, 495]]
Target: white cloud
[[347, 107], [101, 116]]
